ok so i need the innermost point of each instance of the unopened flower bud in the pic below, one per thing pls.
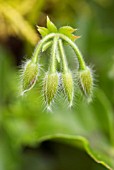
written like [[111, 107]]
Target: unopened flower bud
[[51, 82], [68, 86], [29, 75], [86, 81]]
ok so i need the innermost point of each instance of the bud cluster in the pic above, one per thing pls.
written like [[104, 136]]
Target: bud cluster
[[53, 38]]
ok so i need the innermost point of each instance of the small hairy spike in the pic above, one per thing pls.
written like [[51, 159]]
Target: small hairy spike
[[68, 86], [51, 82], [29, 75], [86, 81]]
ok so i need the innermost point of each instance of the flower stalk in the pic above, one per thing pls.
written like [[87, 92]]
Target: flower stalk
[[52, 67], [63, 57]]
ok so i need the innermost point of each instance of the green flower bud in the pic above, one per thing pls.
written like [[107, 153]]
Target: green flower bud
[[68, 86], [29, 75], [51, 82], [86, 81]]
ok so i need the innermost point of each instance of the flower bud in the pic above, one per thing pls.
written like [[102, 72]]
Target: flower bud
[[68, 86], [51, 82], [29, 76], [86, 81]]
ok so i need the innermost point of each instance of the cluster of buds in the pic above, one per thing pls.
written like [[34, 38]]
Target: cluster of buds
[[53, 38]]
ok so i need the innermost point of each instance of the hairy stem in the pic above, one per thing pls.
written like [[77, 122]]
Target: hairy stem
[[63, 57], [68, 40], [52, 68], [39, 47], [76, 50]]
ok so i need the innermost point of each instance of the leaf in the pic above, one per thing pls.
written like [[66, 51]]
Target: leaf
[[66, 29], [19, 23], [8, 155], [50, 25], [74, 37], [71, 36], [43, 31], [90, 127], [79, 128]]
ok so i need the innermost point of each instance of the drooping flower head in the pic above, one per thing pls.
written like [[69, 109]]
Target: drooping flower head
[[54, 39]]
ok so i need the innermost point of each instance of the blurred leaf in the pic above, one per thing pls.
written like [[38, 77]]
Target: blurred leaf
[[80, 128], [17, 23], [8, 155], [15, 18]]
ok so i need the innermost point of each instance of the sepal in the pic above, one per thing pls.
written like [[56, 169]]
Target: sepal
[[51, 26], [43, 31]]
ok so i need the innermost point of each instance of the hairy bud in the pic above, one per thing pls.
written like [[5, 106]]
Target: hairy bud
[[29, 75], [51, 82], [86, 81], [68, 86]]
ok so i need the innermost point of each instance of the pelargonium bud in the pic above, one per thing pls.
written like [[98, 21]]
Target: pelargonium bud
[[29, 75], [67, 82], [86, 81], [51, 82]]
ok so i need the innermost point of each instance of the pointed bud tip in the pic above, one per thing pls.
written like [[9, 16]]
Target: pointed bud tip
[[49, 108], [70, 104], [22, 93]]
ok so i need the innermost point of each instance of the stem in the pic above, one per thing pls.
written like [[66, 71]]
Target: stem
[[39, 47], [52, 68], [64, 61], [82, 64], [37, 51]]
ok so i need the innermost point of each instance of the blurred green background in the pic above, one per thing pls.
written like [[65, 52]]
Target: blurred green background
[[81, 138]]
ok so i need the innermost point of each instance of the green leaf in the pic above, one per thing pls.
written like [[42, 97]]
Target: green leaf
[[67, 29], [50, 25], [81, 128], [43, 31]]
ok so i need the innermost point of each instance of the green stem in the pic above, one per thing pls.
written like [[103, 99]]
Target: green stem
[[39, 47], [52, 68], [63, 57], [82, 64], [37, 51]]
